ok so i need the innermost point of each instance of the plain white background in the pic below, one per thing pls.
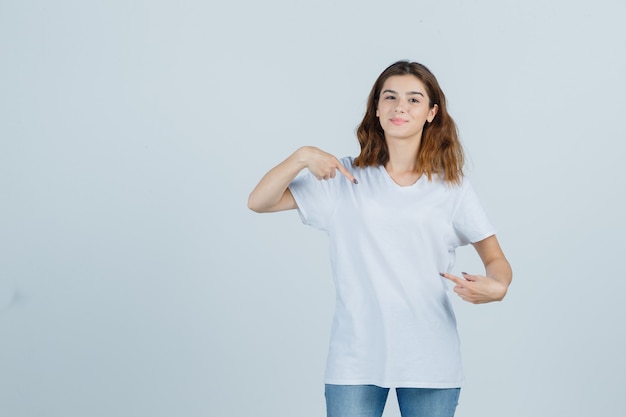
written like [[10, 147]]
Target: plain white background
[[135, 282]]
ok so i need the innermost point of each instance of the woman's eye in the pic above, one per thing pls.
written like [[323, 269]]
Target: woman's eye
[[389, 97], [414, 100]]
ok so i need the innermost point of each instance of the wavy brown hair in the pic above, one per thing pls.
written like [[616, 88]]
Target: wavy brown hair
[[440, 150]]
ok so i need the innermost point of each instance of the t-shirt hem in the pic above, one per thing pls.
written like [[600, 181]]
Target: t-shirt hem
[[301, 211], [395, 384], [483, 236]]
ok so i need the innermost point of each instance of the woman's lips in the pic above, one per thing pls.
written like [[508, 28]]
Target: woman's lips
[[397, 121]]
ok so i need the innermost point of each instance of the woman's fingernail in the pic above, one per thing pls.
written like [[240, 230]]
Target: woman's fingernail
[[464, 273], [441, 273], [355, 181]]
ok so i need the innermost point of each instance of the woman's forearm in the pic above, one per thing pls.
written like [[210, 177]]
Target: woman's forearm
[[270, 192], [500, 271]]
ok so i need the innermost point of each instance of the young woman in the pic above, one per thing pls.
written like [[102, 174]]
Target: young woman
[[394, 217]]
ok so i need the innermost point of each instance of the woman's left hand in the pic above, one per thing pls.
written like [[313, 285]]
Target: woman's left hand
[[477, 289]]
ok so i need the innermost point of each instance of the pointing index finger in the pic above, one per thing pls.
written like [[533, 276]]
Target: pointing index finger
[[346, 173], [453, 278]]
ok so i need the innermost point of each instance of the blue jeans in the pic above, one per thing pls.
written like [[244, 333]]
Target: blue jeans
[[369, 401]]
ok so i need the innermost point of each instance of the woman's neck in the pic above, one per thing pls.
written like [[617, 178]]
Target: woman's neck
[[402, 164], [402, 156]]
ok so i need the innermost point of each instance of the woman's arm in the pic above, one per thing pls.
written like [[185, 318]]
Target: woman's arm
[[493, 286], [272, 192]]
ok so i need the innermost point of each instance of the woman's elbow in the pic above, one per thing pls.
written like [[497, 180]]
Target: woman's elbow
[[253, 204]]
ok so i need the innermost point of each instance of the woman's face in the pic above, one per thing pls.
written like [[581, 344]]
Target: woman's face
[[403, 108]]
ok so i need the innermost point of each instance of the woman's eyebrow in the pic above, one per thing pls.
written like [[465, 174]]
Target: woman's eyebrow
[[408, 94]]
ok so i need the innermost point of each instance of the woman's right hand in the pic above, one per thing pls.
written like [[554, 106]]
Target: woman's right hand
[[323, 165]]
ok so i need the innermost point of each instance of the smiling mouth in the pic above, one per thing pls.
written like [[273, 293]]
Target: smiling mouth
[[398, 121]]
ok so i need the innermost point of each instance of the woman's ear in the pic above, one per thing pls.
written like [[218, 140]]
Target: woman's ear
[[432, 113]]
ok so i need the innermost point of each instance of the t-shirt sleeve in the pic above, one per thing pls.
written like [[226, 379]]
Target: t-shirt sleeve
[[315, 199], [470, 221]]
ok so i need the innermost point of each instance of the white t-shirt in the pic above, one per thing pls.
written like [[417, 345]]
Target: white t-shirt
[[394, 325]]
